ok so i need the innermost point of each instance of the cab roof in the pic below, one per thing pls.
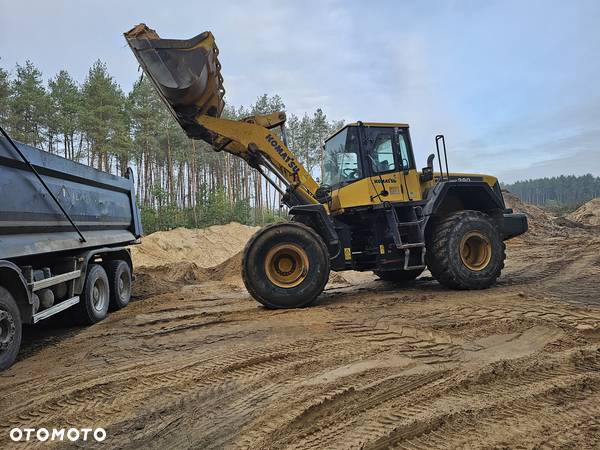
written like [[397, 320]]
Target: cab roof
[[378, 124], [369, 124]]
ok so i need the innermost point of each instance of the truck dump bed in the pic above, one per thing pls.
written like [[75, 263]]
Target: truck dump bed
[[102, 205]]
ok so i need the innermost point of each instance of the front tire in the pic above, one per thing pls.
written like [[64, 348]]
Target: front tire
[[95, 298], [10, 329], [466, 251], [285, 265], [398, 276]]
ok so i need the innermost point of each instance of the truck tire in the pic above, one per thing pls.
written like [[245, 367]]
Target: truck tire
[[10, 329], [119, 279], [95, 298], [465, 251], [285, 265], [398, 276]]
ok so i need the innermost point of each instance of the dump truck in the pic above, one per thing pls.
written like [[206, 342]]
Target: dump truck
[[64, 232], [373, 209]]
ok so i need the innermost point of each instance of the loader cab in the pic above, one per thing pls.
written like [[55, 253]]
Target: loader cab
[[367, 163]]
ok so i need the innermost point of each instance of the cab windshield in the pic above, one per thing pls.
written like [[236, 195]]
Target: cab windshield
[[342, 161]]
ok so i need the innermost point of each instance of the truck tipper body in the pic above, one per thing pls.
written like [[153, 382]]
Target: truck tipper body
[[64, 232]]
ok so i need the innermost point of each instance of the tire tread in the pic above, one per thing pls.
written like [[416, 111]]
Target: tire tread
[[438, 256], [246, 276]]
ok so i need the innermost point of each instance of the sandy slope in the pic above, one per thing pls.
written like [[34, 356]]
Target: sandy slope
[[588, 213], [204, 247], [371, 365]]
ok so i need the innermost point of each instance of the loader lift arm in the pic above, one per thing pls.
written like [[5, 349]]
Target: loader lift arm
[[187, 76], [254, 140]]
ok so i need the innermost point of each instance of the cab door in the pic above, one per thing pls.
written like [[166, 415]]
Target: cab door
[[408, 169], [382, 165], [389, 162]]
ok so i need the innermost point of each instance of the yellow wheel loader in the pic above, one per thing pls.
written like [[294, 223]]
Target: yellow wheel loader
[[373, 211]]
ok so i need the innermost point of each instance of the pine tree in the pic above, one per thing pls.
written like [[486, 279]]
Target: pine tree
[[65, 106], [320, 131], [103, 119], [145, 108], [29, 105], [4, 98]]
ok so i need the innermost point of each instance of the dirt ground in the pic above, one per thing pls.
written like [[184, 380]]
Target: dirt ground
[[193, 362]]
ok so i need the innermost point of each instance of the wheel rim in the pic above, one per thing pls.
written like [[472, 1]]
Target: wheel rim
[[7, 329], [475, 251], [99, 294], [124, 286], [286, 265]]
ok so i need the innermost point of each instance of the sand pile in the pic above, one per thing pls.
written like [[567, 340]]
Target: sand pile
[[587, 214], [167, 260], [543, 224], [154, 280], [206, 247], [540, 222], [535, 214]]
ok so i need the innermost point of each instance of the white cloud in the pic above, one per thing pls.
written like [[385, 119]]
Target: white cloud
[[513, 85]]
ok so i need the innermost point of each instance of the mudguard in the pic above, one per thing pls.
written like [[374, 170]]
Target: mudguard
[[12, 279], [322, 222], [476, 195]]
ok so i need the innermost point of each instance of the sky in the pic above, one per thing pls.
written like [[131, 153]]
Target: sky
[[513, 85]]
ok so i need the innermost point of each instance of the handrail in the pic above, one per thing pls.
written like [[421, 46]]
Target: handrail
[[438, 138]]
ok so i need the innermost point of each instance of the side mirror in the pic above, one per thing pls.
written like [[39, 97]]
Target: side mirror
[[427, 172]]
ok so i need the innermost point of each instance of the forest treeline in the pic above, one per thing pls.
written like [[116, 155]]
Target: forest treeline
[[563, 193], [179, 182]]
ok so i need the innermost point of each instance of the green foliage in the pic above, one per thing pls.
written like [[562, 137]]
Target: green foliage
[[4, 97], [179, 182], [104, 116], [563, 193], [307, 135], [65, 103], [215, 210], [29, 105], [561, 209]]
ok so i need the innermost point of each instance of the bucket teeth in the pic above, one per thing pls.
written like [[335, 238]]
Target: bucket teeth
[[186, 73]]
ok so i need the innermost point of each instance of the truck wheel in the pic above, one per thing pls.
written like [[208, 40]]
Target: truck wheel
[[285, 265], [465, 251], [398, 276], [95, 298], [10, 329], [119, 278]]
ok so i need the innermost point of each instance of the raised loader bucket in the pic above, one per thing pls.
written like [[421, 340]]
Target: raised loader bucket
[[186, 73]]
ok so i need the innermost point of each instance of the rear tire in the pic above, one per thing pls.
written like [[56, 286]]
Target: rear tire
[[95, 298], [398, 276], [465, 251], [10, 329], [285, 265], [119, 278]]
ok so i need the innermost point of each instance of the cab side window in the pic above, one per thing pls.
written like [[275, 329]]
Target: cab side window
[[381, 156], [404, 152]]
